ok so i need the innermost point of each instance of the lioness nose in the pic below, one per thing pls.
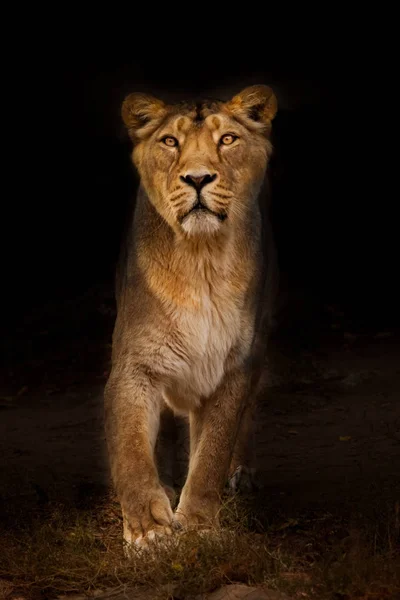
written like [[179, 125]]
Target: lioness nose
[[198, 181]]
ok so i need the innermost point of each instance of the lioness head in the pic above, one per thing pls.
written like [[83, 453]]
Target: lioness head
[[201, 164]]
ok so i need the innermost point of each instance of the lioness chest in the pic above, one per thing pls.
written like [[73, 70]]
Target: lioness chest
[[198, 345], [199, 326]]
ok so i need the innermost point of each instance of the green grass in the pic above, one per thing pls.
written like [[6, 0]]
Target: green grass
[[64, 550]]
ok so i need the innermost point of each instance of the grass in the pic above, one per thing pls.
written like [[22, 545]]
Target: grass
[[70, 550]]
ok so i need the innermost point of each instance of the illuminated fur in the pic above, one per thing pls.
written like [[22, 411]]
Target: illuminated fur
[[193, 300]]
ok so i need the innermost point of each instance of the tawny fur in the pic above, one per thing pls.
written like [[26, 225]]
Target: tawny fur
[[193, 296]]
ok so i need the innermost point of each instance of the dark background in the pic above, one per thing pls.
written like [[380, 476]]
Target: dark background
[[328, 427], [71, 177]]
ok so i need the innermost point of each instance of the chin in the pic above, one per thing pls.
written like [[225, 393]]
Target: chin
[[201, 224]]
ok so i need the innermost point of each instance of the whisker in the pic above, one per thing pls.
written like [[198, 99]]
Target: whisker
[[177, 197], [220, 195], [180, 204], [177, 187]]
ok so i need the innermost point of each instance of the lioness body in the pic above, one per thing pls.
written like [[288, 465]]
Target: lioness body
[[192, 307]]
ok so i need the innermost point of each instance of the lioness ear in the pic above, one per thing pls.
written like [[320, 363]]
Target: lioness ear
[[256, 106], [141, 114]]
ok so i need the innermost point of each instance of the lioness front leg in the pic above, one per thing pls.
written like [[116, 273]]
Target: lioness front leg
[[132, 413], [213, 430]]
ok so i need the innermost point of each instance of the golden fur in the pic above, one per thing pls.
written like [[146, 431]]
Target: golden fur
[[192, 300]]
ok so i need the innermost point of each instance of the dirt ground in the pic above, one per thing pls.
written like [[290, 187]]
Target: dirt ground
[[327, 430]]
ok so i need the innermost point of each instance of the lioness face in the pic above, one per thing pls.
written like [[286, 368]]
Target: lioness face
[[201, 164]]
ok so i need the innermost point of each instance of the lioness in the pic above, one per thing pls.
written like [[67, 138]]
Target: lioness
[[193, 301]]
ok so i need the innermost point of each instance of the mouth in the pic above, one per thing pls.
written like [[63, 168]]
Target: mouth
[[199, 208]]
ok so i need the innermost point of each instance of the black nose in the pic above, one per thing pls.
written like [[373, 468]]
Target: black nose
[[198, 182]]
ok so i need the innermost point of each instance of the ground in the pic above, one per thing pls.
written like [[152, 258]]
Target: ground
[[327, 445]]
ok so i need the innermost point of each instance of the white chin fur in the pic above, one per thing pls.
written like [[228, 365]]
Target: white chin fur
[[201, 223]]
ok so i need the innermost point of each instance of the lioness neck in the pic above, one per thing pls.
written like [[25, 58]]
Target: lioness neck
[[178, 267]]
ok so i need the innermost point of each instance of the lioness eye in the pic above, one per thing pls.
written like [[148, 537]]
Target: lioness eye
[[228, 139], [170, 141]]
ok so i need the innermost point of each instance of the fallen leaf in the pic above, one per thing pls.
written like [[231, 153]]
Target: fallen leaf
[[345, 438]]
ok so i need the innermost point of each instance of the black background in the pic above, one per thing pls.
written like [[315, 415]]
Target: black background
[[71, 177]]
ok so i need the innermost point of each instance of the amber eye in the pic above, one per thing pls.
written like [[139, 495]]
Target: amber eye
[[228, 139], [170, 141]]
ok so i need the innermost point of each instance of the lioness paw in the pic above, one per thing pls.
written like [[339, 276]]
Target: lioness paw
[[195, 516], [146, 518], [156, 535]]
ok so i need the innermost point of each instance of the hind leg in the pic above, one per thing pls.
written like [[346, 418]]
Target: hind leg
[[172, 451], [242, 471], [165, 451]]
